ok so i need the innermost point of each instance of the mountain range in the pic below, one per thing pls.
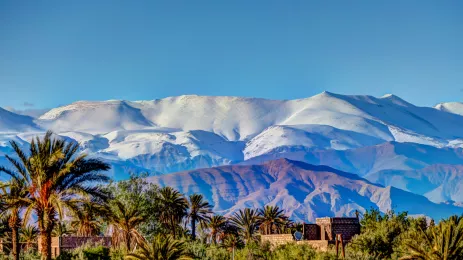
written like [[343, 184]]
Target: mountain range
[[304, 191], [386, 141]]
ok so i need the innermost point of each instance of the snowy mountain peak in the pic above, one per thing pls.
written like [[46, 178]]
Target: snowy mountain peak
[[451, 107], [12, 122]]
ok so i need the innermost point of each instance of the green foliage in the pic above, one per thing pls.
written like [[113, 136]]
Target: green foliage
[[65, 255], [444, 241], [97, 253], [56, 177], [161, 248], [134, 210], [272, 220], [87, 252], [254, 250], [174, 207], [30, 255], [380, 237], [247, 221], [198, 250], [292, 251], [199, 210]]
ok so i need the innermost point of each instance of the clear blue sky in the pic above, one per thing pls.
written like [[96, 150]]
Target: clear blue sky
[[57, 52]]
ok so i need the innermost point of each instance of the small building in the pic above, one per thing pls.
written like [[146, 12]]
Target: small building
[[320, 234], [68, 243], [330, 227]]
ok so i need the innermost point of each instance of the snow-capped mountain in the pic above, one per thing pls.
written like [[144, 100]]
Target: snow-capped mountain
[[451, 107], [385, 139], [304, 191], [188, 132], [370, 159], [11, 122], [387, 118]]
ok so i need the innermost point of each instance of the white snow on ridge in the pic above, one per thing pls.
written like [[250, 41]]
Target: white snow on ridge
[[237, 118], [451, 107], [11, 122], [200, 131], [308, 136]]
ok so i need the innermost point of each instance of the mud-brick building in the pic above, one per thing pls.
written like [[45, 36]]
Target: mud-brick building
[[320, 234], [67, 243], [330, 227]]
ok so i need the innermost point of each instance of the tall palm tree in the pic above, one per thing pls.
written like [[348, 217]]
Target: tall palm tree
[[232, 242], [216, 225], [442, 242], [247, 221], [174, 207], [198, 211], [162, 248], [12, 191], [29, 236], [125, 219], [86, 220], [272, 220], [56, 178]]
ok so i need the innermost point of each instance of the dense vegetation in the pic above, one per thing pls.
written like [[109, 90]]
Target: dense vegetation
[[55, 191]]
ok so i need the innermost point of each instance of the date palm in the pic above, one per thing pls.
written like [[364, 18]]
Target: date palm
[[57, 178], [29, 236], [86, 220], [216, 225], [232, 242], [174, 207], [62, 228], [247, 221], [441, 242], [272, 220], [198, 211], [125, 218], [12, 192], [162, 248]]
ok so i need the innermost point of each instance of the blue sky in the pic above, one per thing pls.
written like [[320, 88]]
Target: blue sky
[[57, 52]]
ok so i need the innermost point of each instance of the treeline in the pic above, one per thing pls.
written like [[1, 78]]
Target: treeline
[[54, 191]]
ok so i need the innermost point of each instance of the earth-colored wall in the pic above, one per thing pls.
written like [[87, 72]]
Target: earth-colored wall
[[60, 244]]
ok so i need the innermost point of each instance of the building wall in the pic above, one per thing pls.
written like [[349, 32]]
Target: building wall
[[311, 232], [60, 244], [329, 227]]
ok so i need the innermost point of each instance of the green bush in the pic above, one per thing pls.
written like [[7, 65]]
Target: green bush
[[87, 252], [97, 253], [117, 254], [65, 255], [199, 250]]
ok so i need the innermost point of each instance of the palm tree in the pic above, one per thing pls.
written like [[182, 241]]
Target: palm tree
[[247, 221], [174, 208], [56, 178], [62, 228], [12, 191], [162, 248], [287, 226], [272, 220], [125, 219], [232, 242], [29, 236], [86, 221], [444, 241], [199, 211], [216, 225]]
